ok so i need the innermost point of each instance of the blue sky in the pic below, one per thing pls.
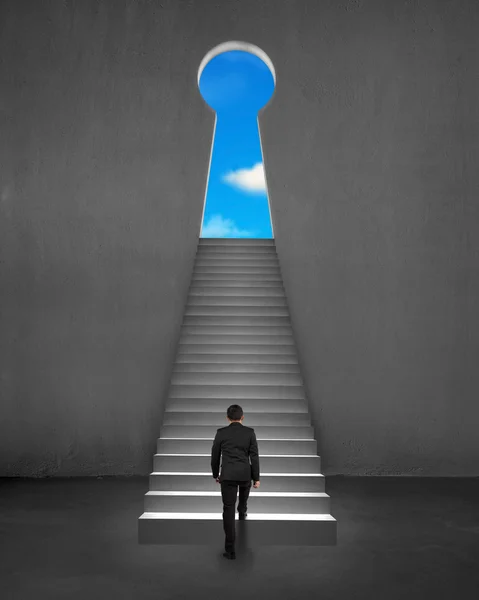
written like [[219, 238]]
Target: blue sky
[[236, 84]]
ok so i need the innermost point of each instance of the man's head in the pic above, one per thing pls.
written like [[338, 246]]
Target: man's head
[[235, 413]]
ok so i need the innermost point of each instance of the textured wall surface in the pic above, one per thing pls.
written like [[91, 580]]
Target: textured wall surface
[[371, 147]]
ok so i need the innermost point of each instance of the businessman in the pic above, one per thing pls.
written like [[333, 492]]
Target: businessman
[[237, 444]]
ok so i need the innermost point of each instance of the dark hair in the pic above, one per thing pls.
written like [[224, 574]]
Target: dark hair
[[235, 412]]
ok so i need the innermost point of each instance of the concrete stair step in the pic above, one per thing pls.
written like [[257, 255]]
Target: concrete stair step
[[270, 464], [237, 301], [271, 447], [240, 264], [241, 278], [235, 270], [234, 257], [236, 311], [224, 338], [233, 392], [234, 368], [237, 320], [262, 529], [236, 348], [240, 269], [270, 482], [237, 292], [258, 502], [232, 284], [239, 242], [272, 425], [249, 405], [271, 330], [237, 379], [244, 359], [263, 432], [236, 250]]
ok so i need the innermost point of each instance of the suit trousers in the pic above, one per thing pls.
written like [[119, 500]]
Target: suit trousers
[[229, 490]]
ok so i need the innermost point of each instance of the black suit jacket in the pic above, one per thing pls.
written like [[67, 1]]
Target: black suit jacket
[[237, 444]]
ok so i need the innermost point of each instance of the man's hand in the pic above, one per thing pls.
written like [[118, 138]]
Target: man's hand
[[218, 480]]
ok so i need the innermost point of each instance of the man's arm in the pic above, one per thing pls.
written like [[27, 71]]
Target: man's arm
[[253, 452], [216, 456]]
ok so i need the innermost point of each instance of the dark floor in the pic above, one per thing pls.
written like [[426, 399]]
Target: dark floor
[[398, 538]]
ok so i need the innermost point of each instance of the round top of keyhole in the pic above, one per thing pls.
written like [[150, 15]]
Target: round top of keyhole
[[236, 80]]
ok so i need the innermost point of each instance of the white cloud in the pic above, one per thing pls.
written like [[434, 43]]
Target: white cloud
[[251, 180], [218, 227]]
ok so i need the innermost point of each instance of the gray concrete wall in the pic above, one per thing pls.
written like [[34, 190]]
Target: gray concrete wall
[[371, 151]]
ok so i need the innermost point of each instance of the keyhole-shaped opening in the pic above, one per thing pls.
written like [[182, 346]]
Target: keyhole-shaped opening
[[236, 80]]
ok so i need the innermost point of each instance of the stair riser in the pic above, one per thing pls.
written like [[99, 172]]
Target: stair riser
[[261, 339], [270, 349], [268, 464], [249, 405], [263, 432], [234, 284], [236, 266], [238, 242], [206, 483], [273, 425], [237, 321], [230, 392], [256, 504], [244, 359], [236, 311], [235, 368], [189, 446], [236, 260], [236, 291], [236, 301], [230, 330], [235, 249], [198, 278], [252, 254], [236, 379], [235, 270], [260, 533]]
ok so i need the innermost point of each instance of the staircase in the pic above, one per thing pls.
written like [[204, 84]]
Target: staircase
[[237, 347]]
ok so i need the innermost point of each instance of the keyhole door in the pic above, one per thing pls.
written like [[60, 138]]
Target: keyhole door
[[236, 80]]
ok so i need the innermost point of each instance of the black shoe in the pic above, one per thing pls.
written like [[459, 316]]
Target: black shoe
[[229, 555], [242, 516]]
